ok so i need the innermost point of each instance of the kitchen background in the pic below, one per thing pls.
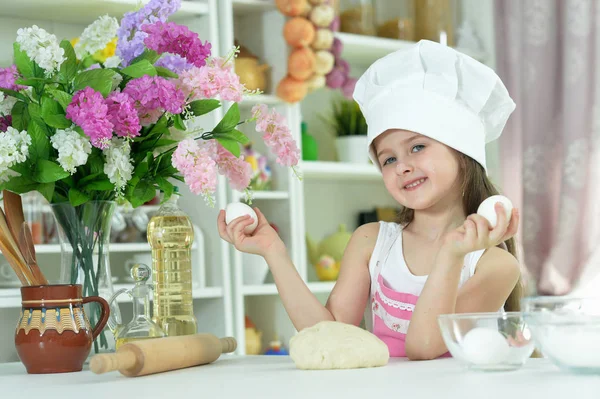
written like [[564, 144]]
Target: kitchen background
[[547, 161]]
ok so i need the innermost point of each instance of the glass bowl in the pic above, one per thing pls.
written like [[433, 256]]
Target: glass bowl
[[566, 330], [487, 341]]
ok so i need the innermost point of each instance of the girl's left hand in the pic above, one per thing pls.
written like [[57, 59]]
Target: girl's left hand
[[476, 233]]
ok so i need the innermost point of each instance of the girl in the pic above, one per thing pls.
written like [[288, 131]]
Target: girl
[[430, 110]]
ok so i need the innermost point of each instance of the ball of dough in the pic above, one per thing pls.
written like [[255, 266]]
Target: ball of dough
[[322, 15], [487, 210], [484, 346], [334, 345], [299, 32], [324, 62], [315, 82], [301, 63], [235, 210], [292, 8], [323, 39]]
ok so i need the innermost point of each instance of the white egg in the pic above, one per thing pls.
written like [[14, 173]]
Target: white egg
[[484, 346], [487, 210], [236, 209]]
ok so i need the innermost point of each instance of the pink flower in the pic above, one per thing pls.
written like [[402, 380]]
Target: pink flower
[[238, 171], [123, 115], [8, 76], [169, 37], [5, 122], [153, 95], [88, 110], [196, 162], [277, 135], [214, 80]]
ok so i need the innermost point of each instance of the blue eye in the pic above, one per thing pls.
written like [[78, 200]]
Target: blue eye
[[420, 146], [390, 159]]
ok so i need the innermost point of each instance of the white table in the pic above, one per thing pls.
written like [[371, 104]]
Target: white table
[[276, 377]]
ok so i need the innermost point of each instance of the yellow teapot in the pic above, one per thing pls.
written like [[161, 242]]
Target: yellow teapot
[[326, 255]]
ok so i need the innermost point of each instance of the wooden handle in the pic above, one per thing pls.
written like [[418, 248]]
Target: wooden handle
[[14, 212], [122, 360], [26, 244], [228, 345], [9, 248]]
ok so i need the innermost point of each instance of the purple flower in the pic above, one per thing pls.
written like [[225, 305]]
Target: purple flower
[[122, 114], [170, 37], [152, 96], [8, 76], [88, 110], [174, 63], [5, 122], [131, 37], [348, 87]]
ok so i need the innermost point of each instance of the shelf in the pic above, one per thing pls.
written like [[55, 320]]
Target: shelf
[[317, 287], [364, 50], [321, 170], [243, 7], [84, 12], [267, 99], [114, 247], [11, 297], [263, 195]]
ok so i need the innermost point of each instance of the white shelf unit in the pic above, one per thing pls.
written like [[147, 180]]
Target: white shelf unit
[[67, 19]]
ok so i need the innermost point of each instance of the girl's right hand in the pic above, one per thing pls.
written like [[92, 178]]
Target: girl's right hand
[[259, 242]]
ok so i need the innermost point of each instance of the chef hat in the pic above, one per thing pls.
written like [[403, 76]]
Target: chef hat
[[436, 91]]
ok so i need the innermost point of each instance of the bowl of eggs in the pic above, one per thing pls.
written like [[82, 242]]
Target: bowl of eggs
[[566, 330], [498, 341]]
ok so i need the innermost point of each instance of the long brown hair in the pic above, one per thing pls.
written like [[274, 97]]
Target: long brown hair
[[476, 186]]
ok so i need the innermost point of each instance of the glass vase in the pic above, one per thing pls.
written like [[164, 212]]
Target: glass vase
[[84, 234]]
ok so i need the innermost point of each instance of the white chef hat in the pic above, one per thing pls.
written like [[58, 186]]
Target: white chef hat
[[436, 91]]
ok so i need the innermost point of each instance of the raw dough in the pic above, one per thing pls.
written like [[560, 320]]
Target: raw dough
[[334, 345]]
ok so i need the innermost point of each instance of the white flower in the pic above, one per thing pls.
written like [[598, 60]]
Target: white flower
[[116, 81], [14, 149], [96, 36], [118, 166], [113, 62], [6, 104], [73, 149], [41, 47]]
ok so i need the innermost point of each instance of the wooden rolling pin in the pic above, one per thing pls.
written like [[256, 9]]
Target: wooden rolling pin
[[157, 355]]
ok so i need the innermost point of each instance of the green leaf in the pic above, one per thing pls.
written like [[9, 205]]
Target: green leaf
[[150, 55], [47, 190], [21, 184], [98, 79], [64, 99], [179, 124], [79, 130], [77, 198], [229, 121], [165, 73], [88, 62], [139, 69], [68, 68], [230, 145], [53, 114], [48, 172], [14, 94], [88, 178], [20, 116], [201, 107], [166, 186], [141, 170], [100, 185], [35, 113], [24, 64], [234, 135], [57, 197], [40, 145], [96, 161], [142, 193]]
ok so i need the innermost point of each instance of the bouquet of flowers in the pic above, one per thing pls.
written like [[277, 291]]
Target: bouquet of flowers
[[76, 125]]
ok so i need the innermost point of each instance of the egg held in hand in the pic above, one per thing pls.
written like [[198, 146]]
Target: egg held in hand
[[487, 208], [236, 209]]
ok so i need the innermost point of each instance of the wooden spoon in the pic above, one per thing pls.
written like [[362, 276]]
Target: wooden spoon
[[9, 248], [13, 206], [26, 242]]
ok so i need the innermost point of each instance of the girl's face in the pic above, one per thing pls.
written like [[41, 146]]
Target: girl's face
[[419, 172]]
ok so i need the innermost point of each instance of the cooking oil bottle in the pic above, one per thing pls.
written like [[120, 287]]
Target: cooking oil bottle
[[170, 235]]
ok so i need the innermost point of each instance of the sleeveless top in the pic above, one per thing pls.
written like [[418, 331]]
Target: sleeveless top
[[395, 290]]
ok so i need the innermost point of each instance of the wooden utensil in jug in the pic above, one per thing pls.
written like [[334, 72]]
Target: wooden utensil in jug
[[28, 248], [157, 355]]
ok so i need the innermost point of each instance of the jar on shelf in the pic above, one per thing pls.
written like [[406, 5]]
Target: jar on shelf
[[395, 19], [435, 20], [357, 16]]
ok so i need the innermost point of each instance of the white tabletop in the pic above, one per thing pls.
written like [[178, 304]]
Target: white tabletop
[[277, 377]]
